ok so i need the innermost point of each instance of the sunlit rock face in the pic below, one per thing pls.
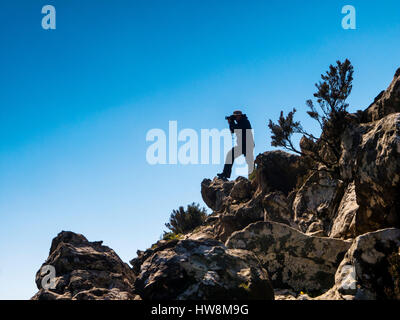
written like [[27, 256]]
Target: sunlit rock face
[[201, 270], [293, 259]]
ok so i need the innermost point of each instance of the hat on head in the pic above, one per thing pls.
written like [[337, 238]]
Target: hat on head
[[237, 113]]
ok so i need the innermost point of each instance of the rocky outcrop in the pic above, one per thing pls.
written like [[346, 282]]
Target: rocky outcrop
[[370, 269], [279, 171], [316, 201], [371, 159], [241, 190], [364, 198], [386, 102], [277, 208], [289, 232], [343, 223], [294, 260], [235, 203], [216, 193], [84, 271], [200, 270]]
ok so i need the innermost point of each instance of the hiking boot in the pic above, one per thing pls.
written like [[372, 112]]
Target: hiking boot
[[222, 176]]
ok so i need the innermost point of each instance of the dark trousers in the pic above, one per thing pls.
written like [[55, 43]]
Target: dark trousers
[[236, 152]]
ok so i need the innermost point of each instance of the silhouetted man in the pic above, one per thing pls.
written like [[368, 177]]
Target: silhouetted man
[[240, 125]]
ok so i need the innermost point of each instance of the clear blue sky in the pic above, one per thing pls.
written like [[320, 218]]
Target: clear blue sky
[[76, 104]]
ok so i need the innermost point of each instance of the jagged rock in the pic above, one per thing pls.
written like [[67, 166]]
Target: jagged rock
[[278, 171], [386, 102], [215, 193], [226, 225], [377, 177], [204, 232], [143, 255], [85, 271], [239, 203], [343, 225], [241, 190], [316, 202], [202, 270], [239, 216], [277, 208], [351, 141], [235, 203], [371, 159], [293, 260], [316, 228], [370, 269]]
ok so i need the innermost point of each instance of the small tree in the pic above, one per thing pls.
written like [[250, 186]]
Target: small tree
[[332, 92], [183, 221]]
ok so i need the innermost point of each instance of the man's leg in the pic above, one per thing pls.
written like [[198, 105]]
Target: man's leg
[[230, 159], [250, 160], [249, 150]]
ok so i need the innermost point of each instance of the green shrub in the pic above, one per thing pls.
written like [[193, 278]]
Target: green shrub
[[331, 95], [183, 221]]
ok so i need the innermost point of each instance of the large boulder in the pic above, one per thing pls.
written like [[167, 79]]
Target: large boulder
[[316, 201], [84, 271], [201, 270], [370, 269], [216, 193], [241, 190], [293, 259], [279, 171], [371, 158], [235, 203]]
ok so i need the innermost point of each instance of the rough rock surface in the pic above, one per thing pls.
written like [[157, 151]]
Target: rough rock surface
[[293, 260], [343, 223], [316, 201], [370, 269], [277, 208], [216, 193], [371, 159], [386, 102], [201, 270], [235, 203], [85, 271], [241, 190], [278, 171]]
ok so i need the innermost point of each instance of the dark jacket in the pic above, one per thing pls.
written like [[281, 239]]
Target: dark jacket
[[242, 127]]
